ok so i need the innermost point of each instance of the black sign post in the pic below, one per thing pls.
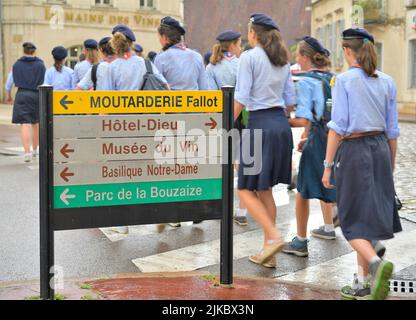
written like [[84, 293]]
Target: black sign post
[[54, 218], [46, 193], [226, 274]]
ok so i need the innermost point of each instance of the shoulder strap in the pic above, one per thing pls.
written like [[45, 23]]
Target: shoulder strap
[[148, 66], [94, 75]]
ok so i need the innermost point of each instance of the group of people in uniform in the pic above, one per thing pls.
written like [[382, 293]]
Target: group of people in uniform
[[350, 126]]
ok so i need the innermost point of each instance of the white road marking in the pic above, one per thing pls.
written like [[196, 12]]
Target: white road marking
[[190, 258]]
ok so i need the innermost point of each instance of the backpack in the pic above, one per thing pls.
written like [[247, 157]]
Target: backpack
[[151, 82], [94, 75], [325, 78]]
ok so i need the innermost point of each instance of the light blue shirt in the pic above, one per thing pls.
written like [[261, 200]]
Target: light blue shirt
[[183, 69], [223, 73], [364, 104], [80, 71], [310, 99], [261, 85], [9, 82], [59, 80], [127, 74], [103, 78]]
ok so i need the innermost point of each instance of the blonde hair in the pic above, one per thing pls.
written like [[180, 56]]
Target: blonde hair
[[120, 44], [366, 54], [318, 59], [219, 49], [92, 55]]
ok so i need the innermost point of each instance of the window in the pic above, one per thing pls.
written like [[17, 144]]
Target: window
[[333, 43], [340, 29], [379, 49], [103, 2], [413, 63], [73, 56], [147, 4]]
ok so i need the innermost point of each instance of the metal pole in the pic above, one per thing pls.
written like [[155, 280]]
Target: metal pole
[[226, 277], [46, 192]]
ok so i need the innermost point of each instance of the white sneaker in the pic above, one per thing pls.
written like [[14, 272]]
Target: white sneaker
[[35, 153], [120, 230], [175, 225], [27, 157]]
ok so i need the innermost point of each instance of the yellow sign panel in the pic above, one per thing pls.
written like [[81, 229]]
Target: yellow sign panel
[[136, 102]]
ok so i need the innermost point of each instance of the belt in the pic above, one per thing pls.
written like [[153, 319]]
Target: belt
[[363, 135]]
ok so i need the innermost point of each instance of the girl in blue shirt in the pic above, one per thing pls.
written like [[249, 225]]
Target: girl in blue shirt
[[362, 148], [128, 69], [183, 68], [222, 71], [59, 76], [265, 88], [311, 108]]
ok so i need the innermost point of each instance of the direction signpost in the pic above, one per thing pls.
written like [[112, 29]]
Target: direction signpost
[[130, 158]]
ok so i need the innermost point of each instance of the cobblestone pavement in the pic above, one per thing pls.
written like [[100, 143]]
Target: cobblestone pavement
[[405, 174]]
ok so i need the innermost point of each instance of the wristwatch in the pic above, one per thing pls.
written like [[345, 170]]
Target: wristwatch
[[329, 165]]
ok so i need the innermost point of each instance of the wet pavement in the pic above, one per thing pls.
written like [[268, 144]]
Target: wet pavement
[[405, 174]]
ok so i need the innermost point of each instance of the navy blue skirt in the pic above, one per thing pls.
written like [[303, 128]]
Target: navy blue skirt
[[311, 167], [365, 189], [266, 151], [26, 107]]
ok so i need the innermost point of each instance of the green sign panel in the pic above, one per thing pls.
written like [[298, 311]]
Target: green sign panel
[[103, 195]]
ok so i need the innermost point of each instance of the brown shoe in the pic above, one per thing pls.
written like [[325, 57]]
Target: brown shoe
[[271, 250], [272, 264]]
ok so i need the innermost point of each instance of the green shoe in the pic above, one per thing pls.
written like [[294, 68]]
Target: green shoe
[[382, 272], [348, 293], [356, 291]]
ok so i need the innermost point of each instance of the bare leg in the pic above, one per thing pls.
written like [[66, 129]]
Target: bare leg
[[327, 212], [35, 136], [267, 199], [25, 136], [362, 266], [364, 249], [259, 212], [302, 215]]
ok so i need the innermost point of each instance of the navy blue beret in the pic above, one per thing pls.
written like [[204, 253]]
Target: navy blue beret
[[171, 22], [122, 28], [104, 41], [316, 45], [29, 45], [90, 44], [138, 48], [264, 20], [228, 36], [59, 53], [357, 33]]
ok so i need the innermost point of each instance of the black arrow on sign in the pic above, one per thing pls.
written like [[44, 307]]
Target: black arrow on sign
[[65, 103]]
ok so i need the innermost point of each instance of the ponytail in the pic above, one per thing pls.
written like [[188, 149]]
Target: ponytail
[[220, 49], [272, 43], [366, 55], [318, 59], [92, 56], [59, 64], [120, 44]]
